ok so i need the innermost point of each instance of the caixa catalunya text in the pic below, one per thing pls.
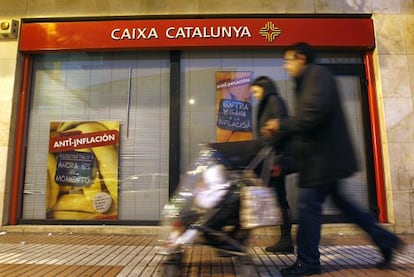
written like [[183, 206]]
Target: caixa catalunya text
[[188, 32]]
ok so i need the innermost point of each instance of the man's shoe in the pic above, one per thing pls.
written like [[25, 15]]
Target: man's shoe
[[299, 269], [388, 254], [284, 246]]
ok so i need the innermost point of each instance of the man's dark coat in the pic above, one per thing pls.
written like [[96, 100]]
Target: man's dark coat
[[323, 145]]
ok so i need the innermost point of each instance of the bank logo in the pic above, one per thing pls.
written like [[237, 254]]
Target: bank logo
[[270, 31]]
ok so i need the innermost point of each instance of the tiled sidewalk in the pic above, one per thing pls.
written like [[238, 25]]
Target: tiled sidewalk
[[66, 254]]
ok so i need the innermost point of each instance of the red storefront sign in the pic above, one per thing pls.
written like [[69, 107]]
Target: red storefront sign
[[109, 35]]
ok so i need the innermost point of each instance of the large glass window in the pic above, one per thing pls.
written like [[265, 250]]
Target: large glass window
[[132, 88]]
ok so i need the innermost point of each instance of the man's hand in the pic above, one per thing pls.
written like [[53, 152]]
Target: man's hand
[[271, 127]]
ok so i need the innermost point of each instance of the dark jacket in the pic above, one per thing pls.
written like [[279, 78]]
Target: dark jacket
[[270, 107], [323, 144]]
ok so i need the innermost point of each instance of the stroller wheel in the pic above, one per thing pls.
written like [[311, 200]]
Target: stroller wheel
[[172, 266], [244, 266]]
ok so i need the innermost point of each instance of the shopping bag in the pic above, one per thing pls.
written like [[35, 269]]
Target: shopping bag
[[259, 207]]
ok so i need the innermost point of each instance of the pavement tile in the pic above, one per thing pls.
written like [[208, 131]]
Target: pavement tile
[[70, 254]]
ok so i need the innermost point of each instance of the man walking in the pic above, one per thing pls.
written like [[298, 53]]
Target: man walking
[[325, 156]]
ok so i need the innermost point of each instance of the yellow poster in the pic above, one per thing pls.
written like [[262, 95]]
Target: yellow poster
[[233, 106], [82, 173]]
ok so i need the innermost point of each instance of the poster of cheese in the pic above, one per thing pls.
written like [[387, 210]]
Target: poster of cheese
[[233, 106], [82, 172]]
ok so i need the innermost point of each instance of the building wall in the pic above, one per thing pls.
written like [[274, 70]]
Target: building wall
[[394, 69]]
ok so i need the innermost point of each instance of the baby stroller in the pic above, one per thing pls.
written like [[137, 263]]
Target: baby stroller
[[206, 203]]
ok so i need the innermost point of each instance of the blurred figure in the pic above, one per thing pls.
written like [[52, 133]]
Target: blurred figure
[[208, 194], [270, 105], [325, 156], [214, 187]]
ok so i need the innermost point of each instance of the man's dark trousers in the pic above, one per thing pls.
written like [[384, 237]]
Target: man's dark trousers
[[310, 221]]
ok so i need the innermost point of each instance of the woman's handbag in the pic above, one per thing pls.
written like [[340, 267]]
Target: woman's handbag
[[259, 207]]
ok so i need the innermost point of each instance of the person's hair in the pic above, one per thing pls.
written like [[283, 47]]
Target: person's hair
[[266, 83], [304, 49]]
